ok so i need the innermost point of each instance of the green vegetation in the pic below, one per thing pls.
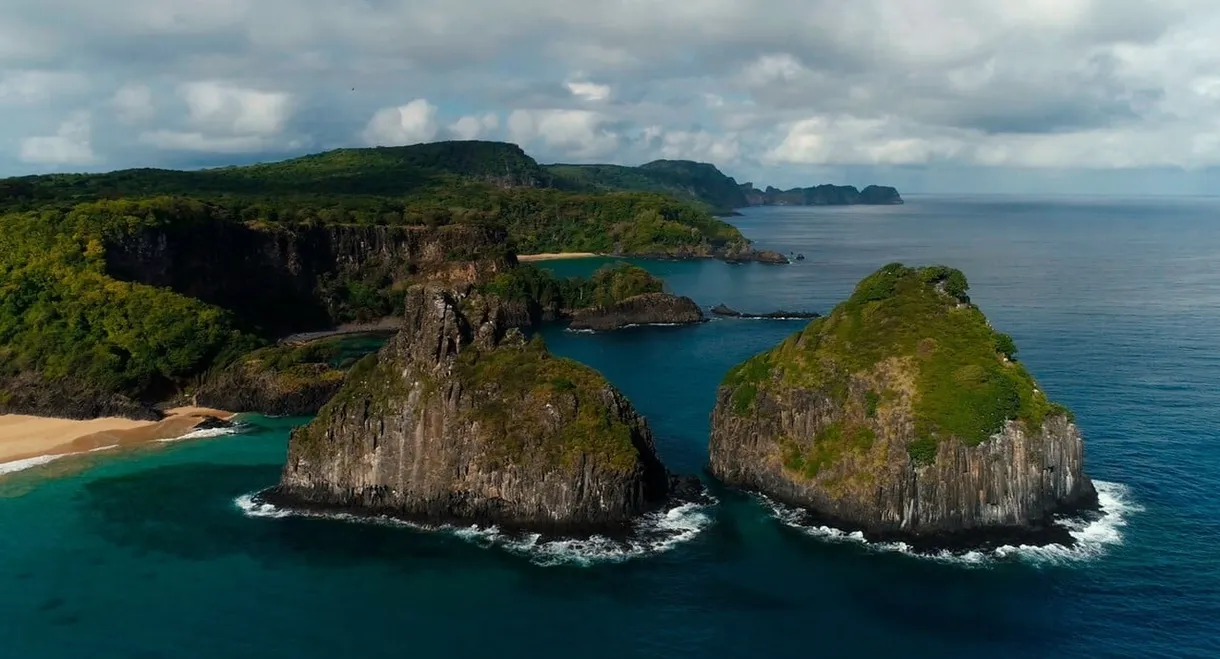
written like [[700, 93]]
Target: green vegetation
[[696, 182], [425, 184], [62, 315], [64, 311], [914, 328], [514, 385], [745, 379], [611, 283]]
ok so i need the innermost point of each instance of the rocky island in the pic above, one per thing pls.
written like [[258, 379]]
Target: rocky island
[[903, 414], [782, 314], [460, 418], [644, 309]]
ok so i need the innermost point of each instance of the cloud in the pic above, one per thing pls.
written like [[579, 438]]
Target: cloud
[[580, 134], [471, 127], [589, 91], [31, 87], [70, 145], [133, 103], [783, 90], [406, 124], [227, 108]]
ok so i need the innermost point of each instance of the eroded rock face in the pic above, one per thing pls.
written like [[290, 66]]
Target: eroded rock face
[[645, 309], [67, 398], [900, 415], [460, 419], [299, 391]]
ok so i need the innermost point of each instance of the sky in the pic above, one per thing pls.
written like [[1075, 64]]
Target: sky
[[934, 96]]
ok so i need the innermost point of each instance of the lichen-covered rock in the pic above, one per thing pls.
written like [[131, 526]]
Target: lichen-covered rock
[[460, 419], [645, 309], [903, 414]]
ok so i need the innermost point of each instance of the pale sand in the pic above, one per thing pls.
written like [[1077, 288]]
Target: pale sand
[[551, 256], [23, 437]]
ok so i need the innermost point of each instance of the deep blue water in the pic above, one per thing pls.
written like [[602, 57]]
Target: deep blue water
[[1115, 306]]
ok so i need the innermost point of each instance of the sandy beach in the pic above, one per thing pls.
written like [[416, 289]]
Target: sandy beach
[[551, 256], [24, 437]]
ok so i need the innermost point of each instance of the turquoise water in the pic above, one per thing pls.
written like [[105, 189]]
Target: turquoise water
[[1114, 304]]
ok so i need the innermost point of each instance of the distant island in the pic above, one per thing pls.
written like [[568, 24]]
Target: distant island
[[707, 186]]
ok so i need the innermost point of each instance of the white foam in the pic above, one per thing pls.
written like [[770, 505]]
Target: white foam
[[28, 463], [1094, 536], [203, 434], [654, 533]]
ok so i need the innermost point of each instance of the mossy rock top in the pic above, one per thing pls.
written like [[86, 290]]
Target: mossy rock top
[[961, 374]]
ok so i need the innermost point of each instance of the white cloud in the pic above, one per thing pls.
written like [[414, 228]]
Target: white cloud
[[721, 149], [173, 140], [226, 108], [472, 127], [406, 124], [589, 91], [578, 134], [802, 85], [32, 87], [133, 103], [70, 145]]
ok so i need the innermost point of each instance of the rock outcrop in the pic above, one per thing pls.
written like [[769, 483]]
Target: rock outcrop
[[460, 419], [645, 309], [903, 414], [299, 273], [67, 398], [753, 256], [297, 391], [728, 312]]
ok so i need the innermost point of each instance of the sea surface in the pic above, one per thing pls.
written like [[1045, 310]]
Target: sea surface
[[1114, 304]]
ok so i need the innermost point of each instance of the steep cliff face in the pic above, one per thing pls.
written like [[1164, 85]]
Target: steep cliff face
[[645, 309], [67, 398], [460, 419], [903, 414], [302, 275]]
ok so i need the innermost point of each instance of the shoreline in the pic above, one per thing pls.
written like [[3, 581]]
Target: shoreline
[[555, 256], [24, 438]]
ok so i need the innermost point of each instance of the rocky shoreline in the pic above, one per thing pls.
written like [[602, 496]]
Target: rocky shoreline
[[683, 490], [1046, 531]]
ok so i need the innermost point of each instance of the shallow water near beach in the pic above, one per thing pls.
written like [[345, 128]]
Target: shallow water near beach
[[158, 551]]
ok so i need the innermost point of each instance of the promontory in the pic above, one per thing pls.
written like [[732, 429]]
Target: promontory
[[904, 415], [460, 418]]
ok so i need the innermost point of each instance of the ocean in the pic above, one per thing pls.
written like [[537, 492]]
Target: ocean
[[1114, 304]]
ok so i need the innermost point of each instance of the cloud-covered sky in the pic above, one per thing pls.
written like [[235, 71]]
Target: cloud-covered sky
[[928, 95]]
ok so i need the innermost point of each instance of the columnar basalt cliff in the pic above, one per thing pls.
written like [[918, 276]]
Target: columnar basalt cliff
[[903, 414], [284, 279], [460, 419]]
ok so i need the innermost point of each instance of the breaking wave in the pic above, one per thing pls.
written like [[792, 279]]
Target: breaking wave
[[28, 463], [653, 533], [1094, 535]]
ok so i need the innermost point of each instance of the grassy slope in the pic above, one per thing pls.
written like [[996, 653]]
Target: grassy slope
[[966, 385]]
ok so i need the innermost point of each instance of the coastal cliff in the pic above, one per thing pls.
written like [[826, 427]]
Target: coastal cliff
[[459, 418], [284, 280], [644, 309], [904, 415]]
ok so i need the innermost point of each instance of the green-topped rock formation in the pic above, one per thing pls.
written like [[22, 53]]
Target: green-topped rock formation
[[903, 414], [459, 418]]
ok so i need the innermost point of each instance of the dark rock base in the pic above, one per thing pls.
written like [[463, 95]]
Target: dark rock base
[[683, 490], [1044, 532]]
